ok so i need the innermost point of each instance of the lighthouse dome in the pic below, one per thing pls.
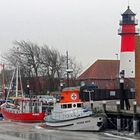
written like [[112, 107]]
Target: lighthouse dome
[[128, 17], [128, 12]]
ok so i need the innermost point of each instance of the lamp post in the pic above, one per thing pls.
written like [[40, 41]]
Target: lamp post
[[123, 96], [122, 89], [116, 55]]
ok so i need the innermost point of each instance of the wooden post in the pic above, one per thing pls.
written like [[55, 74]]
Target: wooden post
[[135, 121], [118, 107], [91, 103], [104, 106], [128, 124], [118, 116]]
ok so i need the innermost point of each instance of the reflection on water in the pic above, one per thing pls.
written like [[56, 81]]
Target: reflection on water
[[21, 131]]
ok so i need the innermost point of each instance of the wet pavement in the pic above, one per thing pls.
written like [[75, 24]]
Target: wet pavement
[[33, 131]]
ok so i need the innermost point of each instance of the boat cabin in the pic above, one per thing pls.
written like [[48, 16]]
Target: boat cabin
[[70, 94], [24, 105], [29, 105], [71, 110]]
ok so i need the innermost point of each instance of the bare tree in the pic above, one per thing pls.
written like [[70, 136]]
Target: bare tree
[[38, 62], [30, 54], [52, 62]]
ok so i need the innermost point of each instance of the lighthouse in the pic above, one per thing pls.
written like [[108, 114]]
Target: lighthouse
[[127, 31]]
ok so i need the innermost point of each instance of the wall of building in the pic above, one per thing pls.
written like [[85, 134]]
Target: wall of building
[[137, 68]]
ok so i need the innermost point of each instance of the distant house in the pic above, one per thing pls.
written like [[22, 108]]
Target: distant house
[[104, 74]]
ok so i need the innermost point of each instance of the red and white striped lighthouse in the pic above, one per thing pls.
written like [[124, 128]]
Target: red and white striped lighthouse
[[128, 32]]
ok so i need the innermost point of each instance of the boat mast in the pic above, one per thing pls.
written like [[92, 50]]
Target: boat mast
[[3, 96], [17, 80], [67, 58], [20, 82]]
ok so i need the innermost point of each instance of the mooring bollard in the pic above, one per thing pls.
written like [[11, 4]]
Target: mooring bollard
[[134, 107], [118, 116], [118, 123], [135, 124], [135, 121], [118, 107], [104, 106]]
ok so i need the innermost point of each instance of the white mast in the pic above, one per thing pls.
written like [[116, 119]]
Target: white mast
[[20, 82], [17, 80]]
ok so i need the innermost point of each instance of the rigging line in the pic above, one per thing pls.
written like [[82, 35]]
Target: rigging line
[[11, 84]]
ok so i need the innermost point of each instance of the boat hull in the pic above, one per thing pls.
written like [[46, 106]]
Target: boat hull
[[89, 123], [23, 117]]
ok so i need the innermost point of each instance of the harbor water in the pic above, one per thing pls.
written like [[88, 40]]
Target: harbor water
[[33, 131]]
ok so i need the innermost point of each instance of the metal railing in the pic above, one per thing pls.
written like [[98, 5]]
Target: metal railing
[[121, 22], [137, 31]]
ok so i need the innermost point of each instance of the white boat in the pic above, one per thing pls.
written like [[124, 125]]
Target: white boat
[[74, 116]]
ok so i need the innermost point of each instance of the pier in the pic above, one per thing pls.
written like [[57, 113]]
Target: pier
[[118, 119]]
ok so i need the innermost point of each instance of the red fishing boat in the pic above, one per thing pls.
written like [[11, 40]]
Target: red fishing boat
[[22, 109]]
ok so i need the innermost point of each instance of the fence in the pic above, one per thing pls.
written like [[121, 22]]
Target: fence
[[104, 94]]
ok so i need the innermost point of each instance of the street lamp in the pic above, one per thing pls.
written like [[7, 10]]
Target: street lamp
[[123, 96], [122, 89], [116, 55]]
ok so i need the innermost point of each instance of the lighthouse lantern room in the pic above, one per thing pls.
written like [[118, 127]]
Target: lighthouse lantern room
[[128, 32]]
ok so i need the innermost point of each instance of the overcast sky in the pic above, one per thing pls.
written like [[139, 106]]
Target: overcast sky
[[86, 28]]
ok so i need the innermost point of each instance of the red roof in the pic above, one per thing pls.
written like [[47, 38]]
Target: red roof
[[102, 69]]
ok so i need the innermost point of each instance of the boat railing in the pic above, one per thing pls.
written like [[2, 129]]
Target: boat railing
[[13, 110]]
